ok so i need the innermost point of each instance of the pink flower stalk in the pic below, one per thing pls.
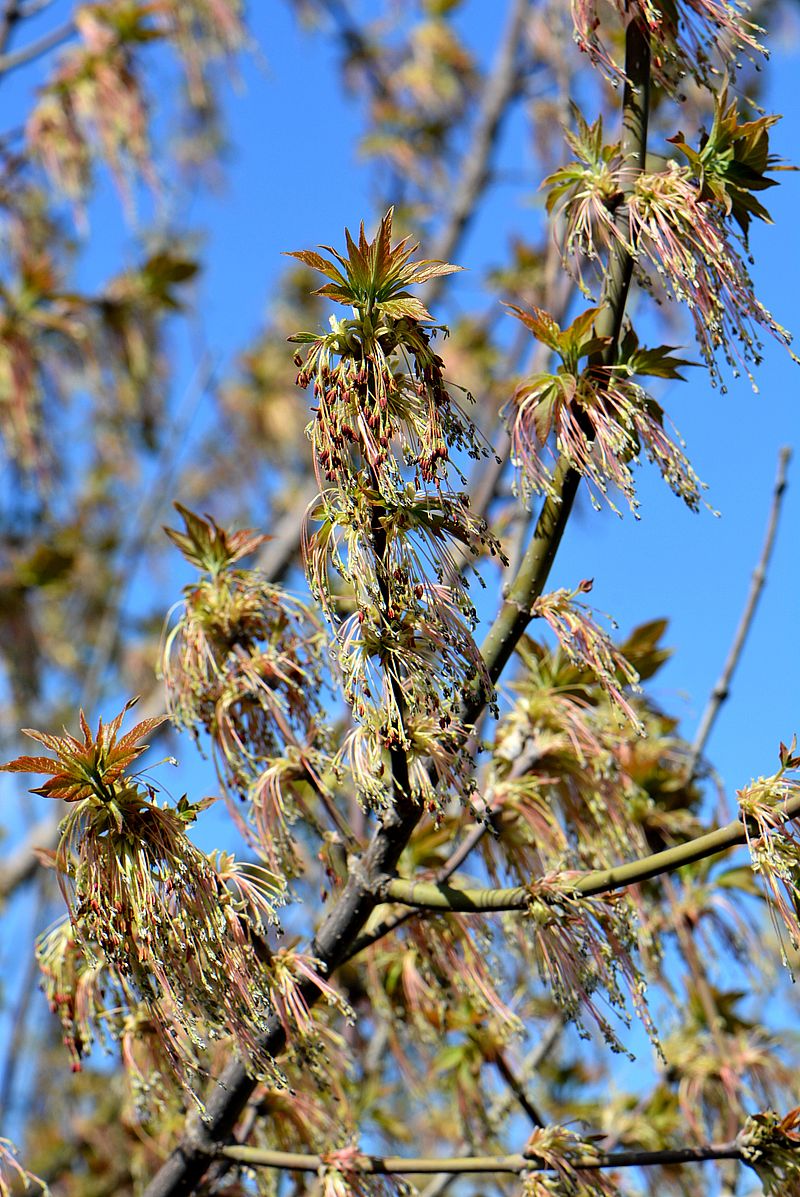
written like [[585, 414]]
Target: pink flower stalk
[[584, 947], [290, 973], [685, 240], [457, 960], [688, 43], [10, 1165], [587, 645]]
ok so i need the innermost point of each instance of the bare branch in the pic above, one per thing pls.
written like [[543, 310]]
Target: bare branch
[[9, 18], [721, 691]]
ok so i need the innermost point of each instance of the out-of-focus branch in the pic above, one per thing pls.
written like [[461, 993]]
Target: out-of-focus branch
[[23, 862], [355, 42], [9, 17], [499, 89], [517, 1088], [721, 690], [27, 54]]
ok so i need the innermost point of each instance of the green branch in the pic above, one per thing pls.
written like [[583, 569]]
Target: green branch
[[428, 895], [256, 1157]]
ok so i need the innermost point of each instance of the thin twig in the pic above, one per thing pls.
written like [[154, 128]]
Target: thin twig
[[358, 45], [517, 1088], [27, 54], [722, 689], [16, 1035]]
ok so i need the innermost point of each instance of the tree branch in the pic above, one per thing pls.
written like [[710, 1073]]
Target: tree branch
[[9, 18], [26, 54], [428, 895], [499, 89], [256, 1157], [721, 691]]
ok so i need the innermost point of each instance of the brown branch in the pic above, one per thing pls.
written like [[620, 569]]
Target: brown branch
[[9, 18], [355, 42], [517, 1088], [332, 945], [200, 1144], [721, 691], [21, 866]]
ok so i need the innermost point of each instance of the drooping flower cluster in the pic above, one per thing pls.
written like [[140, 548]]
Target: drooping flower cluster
[[561, 1151], [585, 950], [687, 37], [345, 1172], [685, 225], [587, 645], [723, 1070], [774, 840], [390, 524], [599, 417], [171, 928], [244, 663], [686, 241], [97, 94]]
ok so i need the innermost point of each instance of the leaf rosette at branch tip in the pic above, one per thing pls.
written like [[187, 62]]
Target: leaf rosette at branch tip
[[600, 419], [677, 224], [732, 160], [182, 931]]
